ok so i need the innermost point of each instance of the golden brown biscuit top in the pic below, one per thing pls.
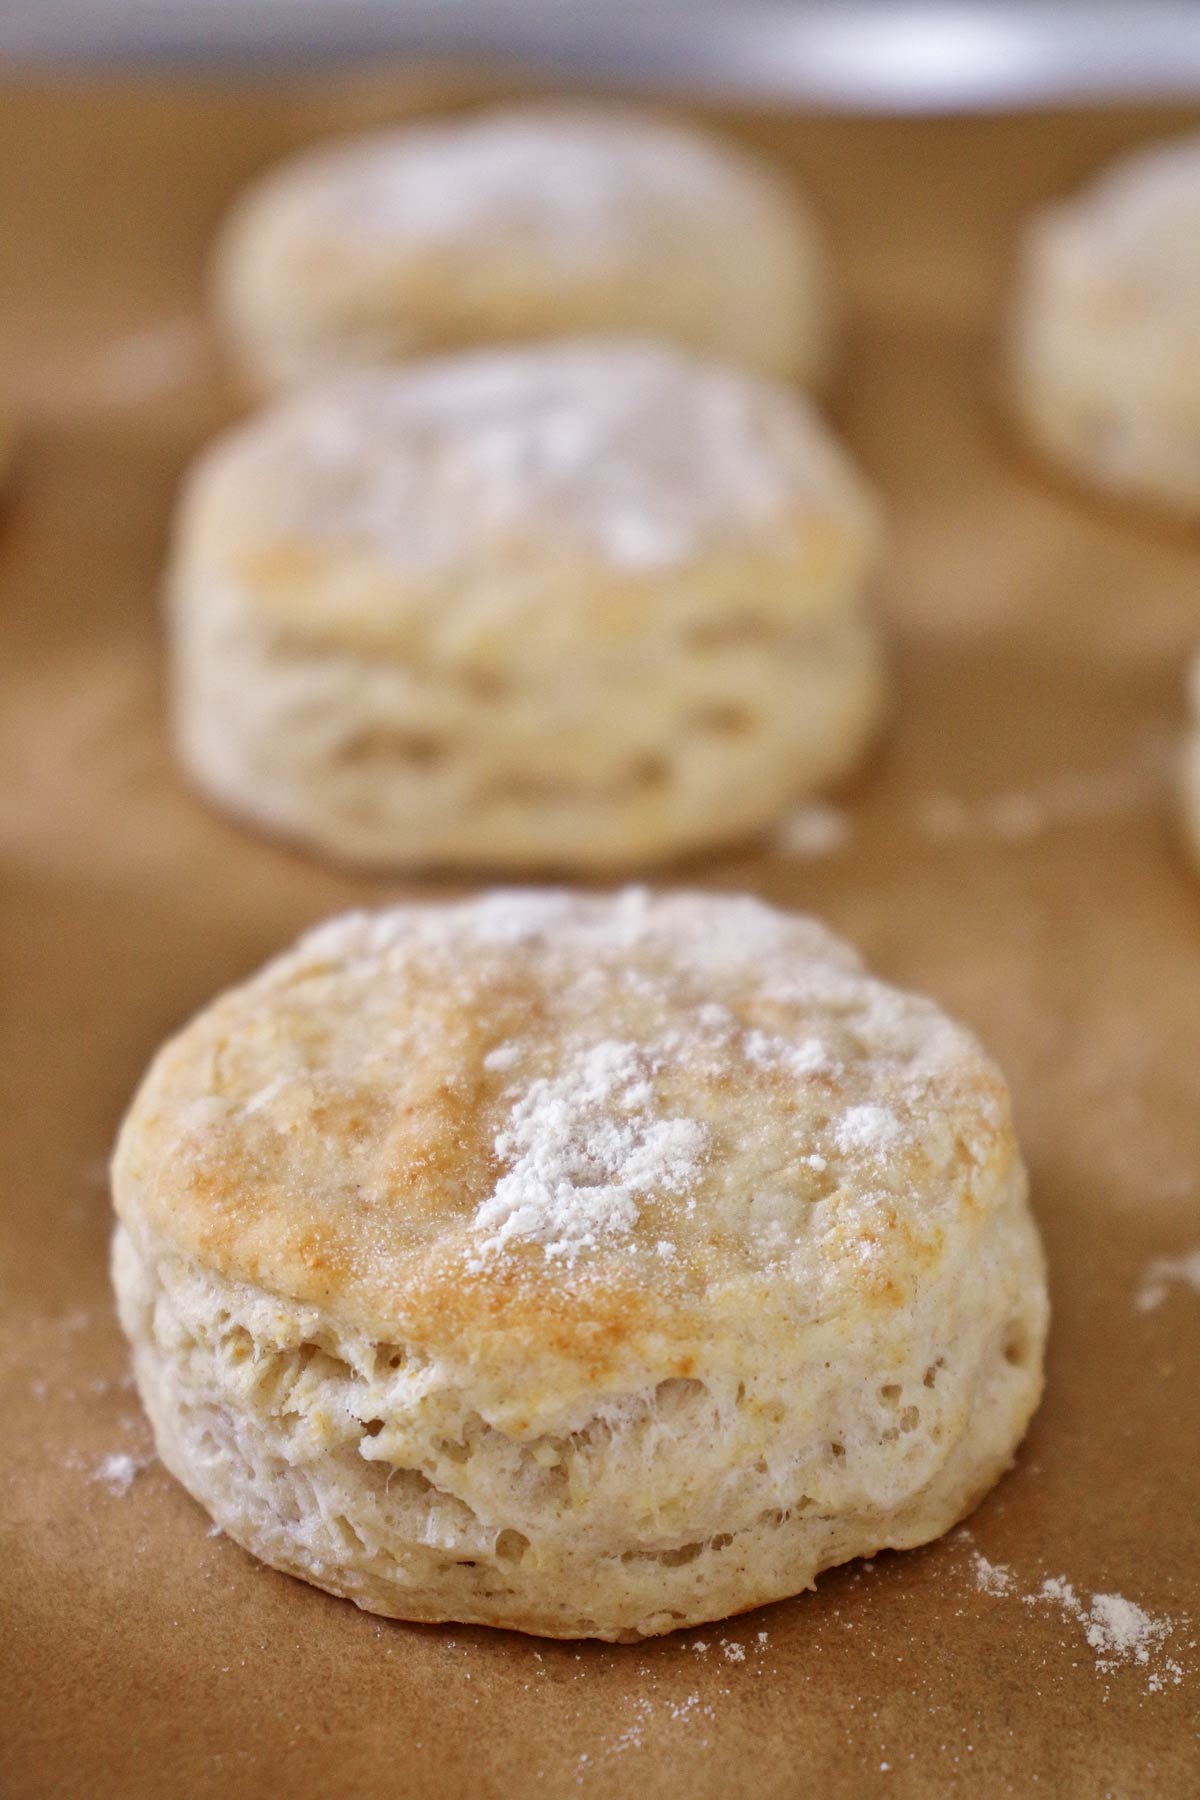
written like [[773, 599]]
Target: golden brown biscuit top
[[581, 1122], [527, 486]]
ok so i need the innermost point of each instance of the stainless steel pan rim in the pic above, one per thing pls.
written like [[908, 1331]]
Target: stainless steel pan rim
[[869, 56]]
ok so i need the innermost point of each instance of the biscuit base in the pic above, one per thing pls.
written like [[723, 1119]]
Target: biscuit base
[[255, 1406], [381, 767]]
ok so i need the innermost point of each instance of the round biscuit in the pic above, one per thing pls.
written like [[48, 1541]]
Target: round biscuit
[[1105, 354], [588, 1265], [575, 607]]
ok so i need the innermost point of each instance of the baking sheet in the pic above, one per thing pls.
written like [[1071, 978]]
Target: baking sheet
[[1009, 851]]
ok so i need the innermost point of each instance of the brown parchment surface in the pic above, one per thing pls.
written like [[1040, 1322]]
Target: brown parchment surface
[[1040, 646]]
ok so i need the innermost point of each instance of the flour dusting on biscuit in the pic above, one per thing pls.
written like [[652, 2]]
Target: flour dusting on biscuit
[[580, 1150]]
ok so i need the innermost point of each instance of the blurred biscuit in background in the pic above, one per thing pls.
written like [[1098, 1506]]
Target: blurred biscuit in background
[[1106, 337], [526, 222], [572, 607]]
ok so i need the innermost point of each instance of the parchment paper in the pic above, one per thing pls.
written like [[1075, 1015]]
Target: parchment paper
[[1009, 851]]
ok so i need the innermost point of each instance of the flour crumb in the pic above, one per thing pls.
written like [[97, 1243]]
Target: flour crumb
[[684, 1709], [1161, 1273], [734, 1653], [992, 1578], [813, 831], [701, 1645], [632, 1736], [1058, 1590], [1070, 798], [117, 1472], [1118, 1632]]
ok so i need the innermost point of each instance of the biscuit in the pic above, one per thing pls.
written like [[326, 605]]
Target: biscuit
[[592, 1266], [1106, 344], [525, 222], [565, 607]]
